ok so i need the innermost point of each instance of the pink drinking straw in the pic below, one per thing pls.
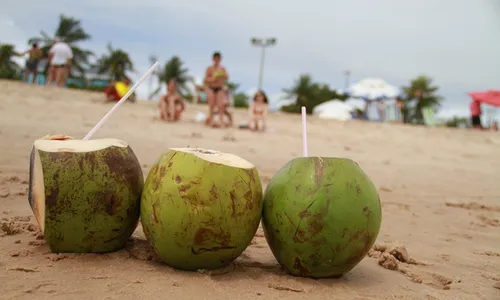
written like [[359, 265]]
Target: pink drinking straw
[[304, 131], [123, 99]]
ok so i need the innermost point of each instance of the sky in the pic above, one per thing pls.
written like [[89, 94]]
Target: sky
[[455, 42]]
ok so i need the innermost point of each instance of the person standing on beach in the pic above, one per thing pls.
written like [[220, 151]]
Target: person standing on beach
[[215, 79], [399, 110], [60, 56], [475, 111], [34, 55]]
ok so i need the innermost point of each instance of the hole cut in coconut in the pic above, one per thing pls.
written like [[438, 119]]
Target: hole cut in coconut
[[217, 157], [77, 146], [36, 194]]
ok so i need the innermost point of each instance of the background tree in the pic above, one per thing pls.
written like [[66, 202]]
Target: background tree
[[309, 94], [71, 32], [240, 99], [457, 122], [115, 63], [174, 69], [9, 69], [418, 94]]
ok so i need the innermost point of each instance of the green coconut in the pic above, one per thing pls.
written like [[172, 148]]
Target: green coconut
[[200, 208], [85, 195], [321, 216]]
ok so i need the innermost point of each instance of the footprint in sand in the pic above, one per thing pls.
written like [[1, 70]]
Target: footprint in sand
[[229, 138], [487, 253], [392, 257], [4, 192], [485, 221], [473, 206], [16, 225]]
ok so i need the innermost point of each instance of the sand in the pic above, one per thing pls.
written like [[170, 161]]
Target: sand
[[440, 235]]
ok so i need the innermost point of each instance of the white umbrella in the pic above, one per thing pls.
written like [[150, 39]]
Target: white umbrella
[[333, 109], [373, 89]]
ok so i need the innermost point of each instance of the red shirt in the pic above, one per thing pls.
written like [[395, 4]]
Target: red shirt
[[475, 108]]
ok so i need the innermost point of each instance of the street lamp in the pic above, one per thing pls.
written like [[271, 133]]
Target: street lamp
[[152, 59], [263, 43], [347, 73]]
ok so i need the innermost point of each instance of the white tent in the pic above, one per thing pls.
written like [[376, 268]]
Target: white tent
[[333, 109]]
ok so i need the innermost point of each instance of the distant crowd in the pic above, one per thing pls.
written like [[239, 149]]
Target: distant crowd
[[214, 89], [171, 105]]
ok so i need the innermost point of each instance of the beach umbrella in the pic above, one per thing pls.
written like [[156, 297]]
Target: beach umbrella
[[491, 97], [373, 89]]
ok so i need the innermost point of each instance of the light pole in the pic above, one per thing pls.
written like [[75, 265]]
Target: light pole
[[347, 73], [152, 59], [263, 43]]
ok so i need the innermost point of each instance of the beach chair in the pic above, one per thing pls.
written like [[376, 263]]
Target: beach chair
[[429, 116]]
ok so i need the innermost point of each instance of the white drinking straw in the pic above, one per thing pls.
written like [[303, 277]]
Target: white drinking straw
[[123, 99], [304, 131]]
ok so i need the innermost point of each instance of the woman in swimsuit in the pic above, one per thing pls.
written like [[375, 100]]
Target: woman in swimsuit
[[215, 78], [171, 105], [258, 111]]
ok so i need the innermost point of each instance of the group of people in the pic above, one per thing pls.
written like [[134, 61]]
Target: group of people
[[218, 99], [59, 62], [171, 105]]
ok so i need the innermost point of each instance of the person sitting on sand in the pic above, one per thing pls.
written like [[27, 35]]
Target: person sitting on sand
[[171, 105], [258, 111], [113, 95]]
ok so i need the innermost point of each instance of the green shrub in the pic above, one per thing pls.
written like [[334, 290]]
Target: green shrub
[[240, 100]]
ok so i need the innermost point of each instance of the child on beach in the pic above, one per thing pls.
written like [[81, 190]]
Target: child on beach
[[257, 112], [171, 105]]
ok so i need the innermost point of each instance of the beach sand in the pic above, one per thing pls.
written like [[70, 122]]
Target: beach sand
[[439, 190]]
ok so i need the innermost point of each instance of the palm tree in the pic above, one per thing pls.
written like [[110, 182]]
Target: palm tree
[[71, 32], [308, 93], [233, 86], [174, 70], [303, 92], [115, 63], [8, 67], [423, 91]]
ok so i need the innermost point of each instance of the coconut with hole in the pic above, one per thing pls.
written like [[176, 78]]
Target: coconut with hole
[[201, 208], [321, 216], [85, 195]]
